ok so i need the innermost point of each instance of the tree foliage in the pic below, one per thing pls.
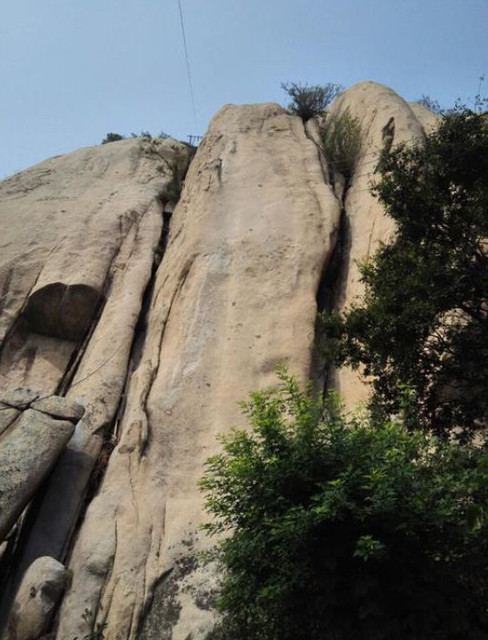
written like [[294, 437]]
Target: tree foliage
[[340, 142], [307, 100], [424, 320], [112, 137], [346, 529], [431, 104]]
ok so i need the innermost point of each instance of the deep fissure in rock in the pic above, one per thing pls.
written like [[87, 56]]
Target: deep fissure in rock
[[329, 290], [136, 350]]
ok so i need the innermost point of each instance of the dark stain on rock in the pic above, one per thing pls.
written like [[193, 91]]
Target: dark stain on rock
[[164, 611], [62, 311]]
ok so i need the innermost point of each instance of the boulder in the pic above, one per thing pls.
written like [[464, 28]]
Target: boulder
[[28, 451], [59, 407], [36, 600]]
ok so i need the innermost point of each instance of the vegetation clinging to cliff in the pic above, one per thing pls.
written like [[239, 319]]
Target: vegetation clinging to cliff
[[339, 134], [346, 529], [340, 142], [308, 101], [423, 323]]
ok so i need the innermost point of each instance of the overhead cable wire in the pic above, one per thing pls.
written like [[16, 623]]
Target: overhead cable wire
[[187, 59]]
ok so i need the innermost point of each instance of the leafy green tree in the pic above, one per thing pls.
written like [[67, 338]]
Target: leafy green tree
[[307, 100], [346, 529], [424, 320]]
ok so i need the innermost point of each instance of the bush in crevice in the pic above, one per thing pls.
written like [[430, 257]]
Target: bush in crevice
[[431, 104], [307, 100], [175, 165], [340, 142]]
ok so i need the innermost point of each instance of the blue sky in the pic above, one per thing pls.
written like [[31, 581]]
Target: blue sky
[[72, 70]]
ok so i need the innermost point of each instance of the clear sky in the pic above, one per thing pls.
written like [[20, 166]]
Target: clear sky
[[73, 70]]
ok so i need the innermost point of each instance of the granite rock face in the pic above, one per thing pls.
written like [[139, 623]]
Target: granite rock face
[[82, 231], [160, 358], [234, 296]]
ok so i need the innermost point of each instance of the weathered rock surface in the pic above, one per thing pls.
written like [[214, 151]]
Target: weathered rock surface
[[234, 296], [59, 408], [36, 600], [28, 450], [71, 227], [7, 416], [159, 361], [88, 222]]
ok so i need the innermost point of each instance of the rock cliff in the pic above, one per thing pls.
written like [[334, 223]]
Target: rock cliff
[[151, 324]]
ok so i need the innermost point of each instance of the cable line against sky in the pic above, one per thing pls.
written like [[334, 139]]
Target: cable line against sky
[[190, 83]]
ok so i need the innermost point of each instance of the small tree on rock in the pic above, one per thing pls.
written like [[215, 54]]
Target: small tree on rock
[[307, 100], [112, 137]]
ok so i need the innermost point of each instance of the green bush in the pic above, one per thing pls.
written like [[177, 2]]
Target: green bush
[[143, 134], [112, 137], [340, 141], [175, 166], [346, 529], [307, 100]]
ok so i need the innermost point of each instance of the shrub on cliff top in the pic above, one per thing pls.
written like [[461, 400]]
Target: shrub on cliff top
[[112, 137], [307, 100], [346, 529]]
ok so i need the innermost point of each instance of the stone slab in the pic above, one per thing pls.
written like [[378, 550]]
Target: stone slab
[[27, 453]]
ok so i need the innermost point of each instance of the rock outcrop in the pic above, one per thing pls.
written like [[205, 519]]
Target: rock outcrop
[[160, 359], [28, 450], [90, 224], [35, 603], [386, 120], [234, 296]]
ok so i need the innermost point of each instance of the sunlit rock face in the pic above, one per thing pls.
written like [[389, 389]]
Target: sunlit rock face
[[158, 321], [80, 237]]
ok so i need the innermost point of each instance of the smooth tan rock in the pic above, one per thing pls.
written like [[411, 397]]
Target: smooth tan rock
[[28, 451], [36, 600], [59, 407], [234, 296], [66, 226], [428, 119]]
